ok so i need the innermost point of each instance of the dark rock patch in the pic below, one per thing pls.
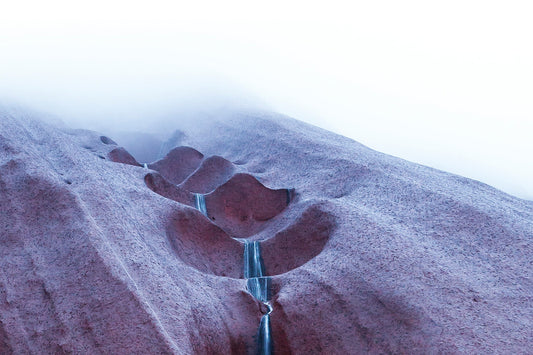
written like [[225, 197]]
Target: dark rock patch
[[178, 164], [107, 140], [242, 205], [161, 186], [299, 242], [213, 172], [204, 246], [121, 155]]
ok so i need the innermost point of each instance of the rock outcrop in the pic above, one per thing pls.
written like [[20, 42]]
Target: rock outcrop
[[367, 253]]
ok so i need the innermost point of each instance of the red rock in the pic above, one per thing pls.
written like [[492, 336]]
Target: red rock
[[121, 155], [179, 163], [161, 186], [242, 206], [204, 246], [213, 172], [373, 254], [299, 242]]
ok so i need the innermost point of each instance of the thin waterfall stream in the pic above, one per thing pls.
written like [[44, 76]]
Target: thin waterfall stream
[[259, 286], [257, 283]]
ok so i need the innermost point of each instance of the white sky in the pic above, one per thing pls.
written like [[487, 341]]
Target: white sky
[[448, 84]]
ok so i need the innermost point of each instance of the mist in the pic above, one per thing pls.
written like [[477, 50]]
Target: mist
[[446, 85]]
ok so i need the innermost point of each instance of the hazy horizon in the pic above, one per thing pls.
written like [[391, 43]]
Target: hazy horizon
[[446, 85]]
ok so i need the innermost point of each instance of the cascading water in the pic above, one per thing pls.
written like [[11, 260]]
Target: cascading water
[[265, 346], [199, 201], [253, 265], [259, 286], [257, 283]]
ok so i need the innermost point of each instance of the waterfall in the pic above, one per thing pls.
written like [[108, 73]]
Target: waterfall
[[257, 283], [259, 286], [199, 201], [253, 265], [265, 346]]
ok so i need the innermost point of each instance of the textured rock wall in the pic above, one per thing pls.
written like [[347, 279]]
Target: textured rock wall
[[368, 253]]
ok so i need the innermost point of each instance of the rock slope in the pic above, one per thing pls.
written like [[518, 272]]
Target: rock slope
[[367, 253]]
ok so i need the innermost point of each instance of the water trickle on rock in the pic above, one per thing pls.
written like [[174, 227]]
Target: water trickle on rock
[[259, 286], [253, 265], [265, 346], [199, 201]]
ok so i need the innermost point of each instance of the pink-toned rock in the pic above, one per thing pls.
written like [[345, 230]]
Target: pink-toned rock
[[204, 246], [179, 163], [121, 155], [300, 241], [213, 172], [161, 186], [373, 254], [242, 206]]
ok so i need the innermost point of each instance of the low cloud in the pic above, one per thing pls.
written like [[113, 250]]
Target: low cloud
[[441, 85]]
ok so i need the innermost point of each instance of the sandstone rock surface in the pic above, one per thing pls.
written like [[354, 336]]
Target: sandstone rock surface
[[368, 253]]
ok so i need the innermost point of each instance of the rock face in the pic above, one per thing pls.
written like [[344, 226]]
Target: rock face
[[367, 253]]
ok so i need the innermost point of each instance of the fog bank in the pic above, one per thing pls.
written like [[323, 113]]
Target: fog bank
[[446, 85]]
